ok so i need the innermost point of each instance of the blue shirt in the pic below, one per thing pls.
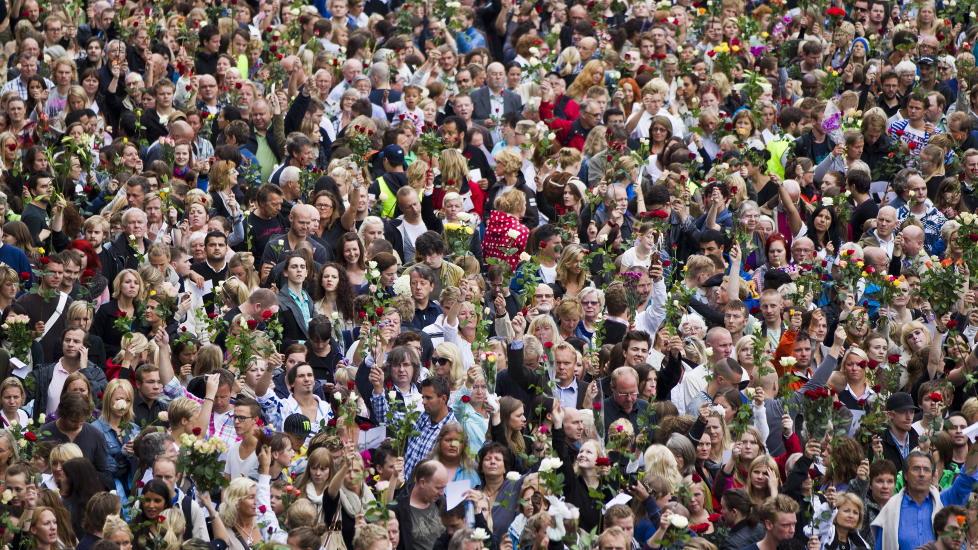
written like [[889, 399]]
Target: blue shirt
[[915, 519], [305, 305]]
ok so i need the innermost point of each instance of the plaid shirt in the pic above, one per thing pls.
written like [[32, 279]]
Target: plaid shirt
[[420, 445], [933, 221]]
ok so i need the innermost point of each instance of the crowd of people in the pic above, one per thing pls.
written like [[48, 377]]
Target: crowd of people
[[447, 274]]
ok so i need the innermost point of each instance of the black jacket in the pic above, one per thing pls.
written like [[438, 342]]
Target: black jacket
[[892, 453], [118, 256], [40, 378], [294, 327]]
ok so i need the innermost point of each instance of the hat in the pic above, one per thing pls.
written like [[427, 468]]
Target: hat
[[900, 401], [926, 60], [393, 154], [716, 280], [297, 424]]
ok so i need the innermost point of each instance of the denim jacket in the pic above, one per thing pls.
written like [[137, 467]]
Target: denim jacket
[[119, 464]]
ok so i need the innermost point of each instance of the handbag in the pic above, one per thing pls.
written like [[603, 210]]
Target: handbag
[[334, 533]]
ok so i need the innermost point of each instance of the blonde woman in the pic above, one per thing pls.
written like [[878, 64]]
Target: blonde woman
[[183, 415], [581, 472], [117, 530], [571, 272], [454, 178], [660, 461], [222, 177], [117, 427], [59, 455], [762, 479], [128, 291], [446, 361], [545, 329], [12, 398], [239, 511], [591, 75]]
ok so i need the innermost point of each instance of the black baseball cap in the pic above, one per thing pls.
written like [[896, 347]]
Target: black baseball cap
[[900, 401], [297, 424]]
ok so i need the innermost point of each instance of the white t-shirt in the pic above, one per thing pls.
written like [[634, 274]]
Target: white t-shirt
[[235, 466], [549, 274], [630, 259]]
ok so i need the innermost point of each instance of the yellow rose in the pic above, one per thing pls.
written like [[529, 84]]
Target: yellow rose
[[40, 250], [469, 231]]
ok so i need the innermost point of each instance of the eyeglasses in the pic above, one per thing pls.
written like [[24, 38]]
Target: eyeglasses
[[441, 361], [322, 206], [239, 418], [630, 394], [590, 303]]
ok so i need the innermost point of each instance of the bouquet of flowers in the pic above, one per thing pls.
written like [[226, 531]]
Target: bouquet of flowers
[[967, 240], [18, 336], [26, 437], [201, 459], [941, 285], [459, 239], [400, 421], [817, 412]]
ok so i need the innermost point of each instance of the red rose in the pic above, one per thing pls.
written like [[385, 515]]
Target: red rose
[[161, 518], [711, 53], [597, 406], [548, 345], [660, 214], [351, 385], [697, 478], [25, 276], [872, 364], [212, 314], [379, 311], [196, 430], [835, 11], [273, 48], [862, 402], [728, 126], [364, 426], [279, 56], [363, 315], [837, 405], [713, 518], [936, 396], [30, 436], [898, 132], [893, 358], [466, 399], [813, 473], [259, 422], [602, 461], [331, 423], [121, 314], [544, 429], [666, 263], [238, 85], [262, 509], [252, 324], [267, 314], [912, 145], [274, 38], [183, 329], [877, 388], [12, 146], [952, 324], [700, 528], [45, 260], [870, 269], [973, 237]]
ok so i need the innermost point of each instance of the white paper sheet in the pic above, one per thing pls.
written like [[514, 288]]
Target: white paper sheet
[[454, 492], [372, 438]]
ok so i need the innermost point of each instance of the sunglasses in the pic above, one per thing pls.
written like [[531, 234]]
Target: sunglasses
[[441, 361]]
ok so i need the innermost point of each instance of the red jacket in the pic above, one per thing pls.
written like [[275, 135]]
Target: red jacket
[[569, 132], [499, 243]]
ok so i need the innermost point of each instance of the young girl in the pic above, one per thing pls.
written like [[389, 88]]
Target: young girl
[[314, 480], [182, 160], [282, 455], [12, 399]]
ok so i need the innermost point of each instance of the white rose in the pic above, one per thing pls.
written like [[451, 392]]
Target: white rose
[[513, 234], [552, 136], [550, 464], [338, 396], [479, 534], [41, 419], [382, 486], [7, 496], [375, 273], [556, 28], [827, 201], [524, 257], [750, 392], [372, 264], [709, 352], [788, 361], [163, 416], [513, 476], [678, 521], [534, 51], [335, 315], [392, 395], [534, 61]]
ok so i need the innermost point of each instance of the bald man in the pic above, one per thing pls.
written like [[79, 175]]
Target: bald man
[[883, 234], [301, 229], [912, 252]]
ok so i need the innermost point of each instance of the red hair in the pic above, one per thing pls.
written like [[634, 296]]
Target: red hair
[[88, 250], [773, 238]]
